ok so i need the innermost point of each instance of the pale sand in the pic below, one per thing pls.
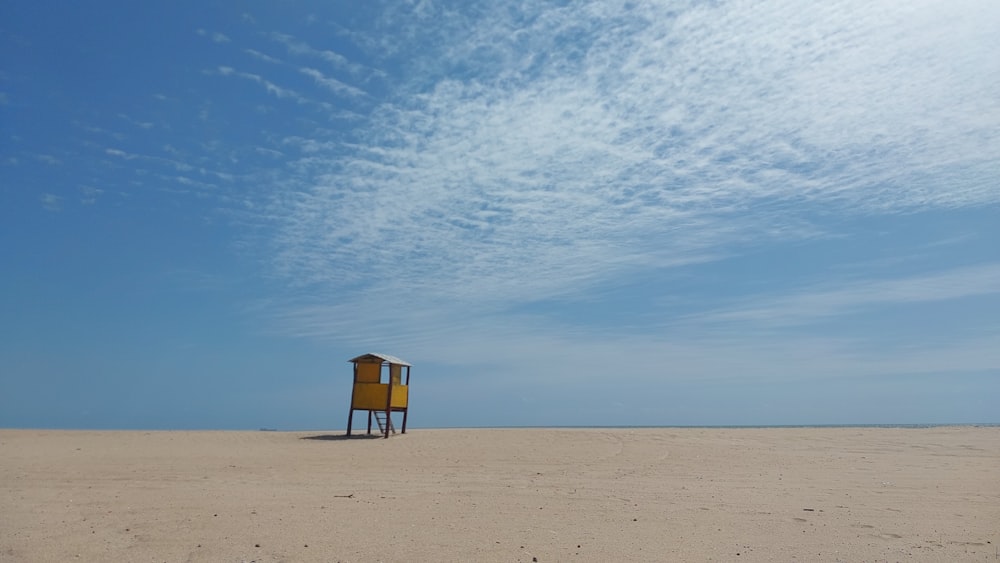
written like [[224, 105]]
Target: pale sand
[[503, 495]]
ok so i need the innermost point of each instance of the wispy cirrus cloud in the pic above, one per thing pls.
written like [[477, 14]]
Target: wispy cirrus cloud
[[297, 47], [332, 84], [336, 60], [261, 56], [51, 202], [139, 124], [89, 194], [216, 36], [48, 159], [271, 87], [274, 89], [531, 351], [176, 164], [823, 303], [541, 151], [614, 129], [206, 175], [101, 130]]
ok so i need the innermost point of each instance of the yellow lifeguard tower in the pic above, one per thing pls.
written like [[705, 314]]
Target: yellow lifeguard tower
[[379, 399]]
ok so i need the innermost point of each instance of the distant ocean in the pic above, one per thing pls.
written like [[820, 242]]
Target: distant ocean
[[736, 426]]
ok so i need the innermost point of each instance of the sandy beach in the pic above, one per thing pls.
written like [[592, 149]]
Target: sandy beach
[[816, 494]]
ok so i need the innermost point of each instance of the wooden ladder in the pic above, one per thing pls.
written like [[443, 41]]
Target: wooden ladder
[[382, 421]]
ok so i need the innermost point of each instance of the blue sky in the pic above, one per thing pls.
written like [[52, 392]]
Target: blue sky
[[581, 213]]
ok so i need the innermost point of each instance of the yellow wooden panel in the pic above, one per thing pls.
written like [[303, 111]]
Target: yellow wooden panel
[[395, 374], [369, 396], [369, 372], [400, 396]]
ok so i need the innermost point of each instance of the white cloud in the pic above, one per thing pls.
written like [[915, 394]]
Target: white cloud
[[269, 152], [338, 61], [529, 351], [538, 151], [823, 303], [271, 88], [139, 124], [51, 202], [172, 163], [101, 131], [48, 159], [332, 84], [89, 194], [297, 47], [261, 56], [216, 36], [119, 153]]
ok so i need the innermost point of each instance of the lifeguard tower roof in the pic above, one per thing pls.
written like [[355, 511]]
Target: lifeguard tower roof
[[370, 357]]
